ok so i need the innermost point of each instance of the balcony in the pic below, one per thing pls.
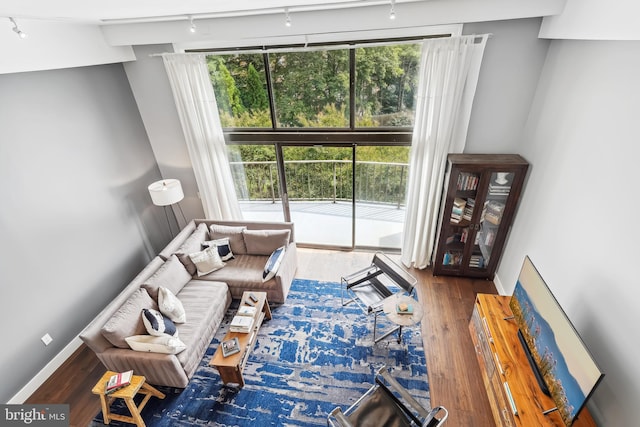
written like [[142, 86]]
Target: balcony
[[320, 200]]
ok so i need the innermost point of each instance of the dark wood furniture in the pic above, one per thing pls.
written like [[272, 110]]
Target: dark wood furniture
[[481, 196], [230, 367], [506, 370]]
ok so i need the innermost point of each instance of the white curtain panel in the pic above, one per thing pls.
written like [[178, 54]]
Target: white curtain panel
[[198, 112], [449, 74]]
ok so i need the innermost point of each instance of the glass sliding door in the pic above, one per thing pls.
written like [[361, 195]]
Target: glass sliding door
[[256, 180], [319, 188]]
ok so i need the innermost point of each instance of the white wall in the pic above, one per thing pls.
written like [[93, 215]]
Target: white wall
[[577, 216], [76, 222]]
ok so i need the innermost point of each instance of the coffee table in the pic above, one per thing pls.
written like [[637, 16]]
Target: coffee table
[[389, 308], [230, 368]]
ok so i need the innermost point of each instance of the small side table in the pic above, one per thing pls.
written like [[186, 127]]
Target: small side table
[[389, 308], [138, 385]]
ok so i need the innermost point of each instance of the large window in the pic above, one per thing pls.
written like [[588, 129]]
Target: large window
[[321, 136]]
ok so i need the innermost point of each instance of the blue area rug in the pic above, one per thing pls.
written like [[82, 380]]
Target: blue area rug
[[312, 356]]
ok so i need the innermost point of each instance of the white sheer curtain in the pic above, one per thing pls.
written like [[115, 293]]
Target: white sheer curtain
[[449, 73], [198, 112]]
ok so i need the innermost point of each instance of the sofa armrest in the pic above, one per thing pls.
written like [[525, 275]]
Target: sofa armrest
[[287, 270], [158, 369]]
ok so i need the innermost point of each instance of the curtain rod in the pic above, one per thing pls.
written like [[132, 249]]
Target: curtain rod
[[315, 48]]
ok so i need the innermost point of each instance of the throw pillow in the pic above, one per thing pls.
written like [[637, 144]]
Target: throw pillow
[[207, 261], [264, 242], [156, 324], [191, 245], [126, 320], [224, 248], [151, 344], [171, 306], [234, 233], [273, 263], [172, 275]]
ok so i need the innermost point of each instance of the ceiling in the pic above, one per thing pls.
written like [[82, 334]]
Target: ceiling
[[121, 11]]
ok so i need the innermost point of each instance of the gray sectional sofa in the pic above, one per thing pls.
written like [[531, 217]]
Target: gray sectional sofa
[[205, 297]]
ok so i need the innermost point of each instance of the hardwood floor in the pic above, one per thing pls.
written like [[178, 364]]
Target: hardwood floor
[[452, 367]]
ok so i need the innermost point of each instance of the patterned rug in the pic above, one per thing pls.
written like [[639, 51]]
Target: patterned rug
[[312, 356]]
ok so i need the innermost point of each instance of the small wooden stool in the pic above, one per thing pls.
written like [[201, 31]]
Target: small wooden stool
[[127, 393]]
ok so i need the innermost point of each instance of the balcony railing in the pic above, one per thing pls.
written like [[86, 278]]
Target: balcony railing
[[322, 180]]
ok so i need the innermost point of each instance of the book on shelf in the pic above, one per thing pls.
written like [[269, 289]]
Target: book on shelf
[[458, 209], [246, 310], [404, 308], [468, 209], [467, 181], [118, 381], [241, 324], [230, 346]]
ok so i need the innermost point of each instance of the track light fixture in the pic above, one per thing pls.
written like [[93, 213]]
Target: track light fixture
[[287, 21], [193, 27], [17, 30], [392, 12]]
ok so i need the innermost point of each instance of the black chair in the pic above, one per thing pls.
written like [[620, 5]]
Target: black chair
[[370, 286], [387, 404]]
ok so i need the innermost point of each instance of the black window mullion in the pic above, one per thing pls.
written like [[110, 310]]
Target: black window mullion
[[352, 90], [272, 100]]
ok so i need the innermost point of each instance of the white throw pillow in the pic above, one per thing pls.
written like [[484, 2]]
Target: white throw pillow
[[273, 263], [223, 245], [148, 343], [158, 325], [207, 261], [171, 306]]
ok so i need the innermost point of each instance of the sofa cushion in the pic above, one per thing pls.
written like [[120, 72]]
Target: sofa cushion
[[172, 275], [191, 245], [271, 267], [165, 344], [206, 261], [264, 242], [170, 305], [234, 233], [223, 246], [206, 302], [156, 324], [126, 321]]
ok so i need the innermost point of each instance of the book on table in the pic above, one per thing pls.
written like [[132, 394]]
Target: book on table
[[241, 324], [118, 381], [404, 308], [230, 346], [246, 310]]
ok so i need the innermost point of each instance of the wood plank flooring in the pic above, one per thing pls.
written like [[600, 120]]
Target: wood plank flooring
[[452, 367]]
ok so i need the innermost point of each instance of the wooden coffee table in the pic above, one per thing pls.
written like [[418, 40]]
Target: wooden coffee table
[[230, 368]]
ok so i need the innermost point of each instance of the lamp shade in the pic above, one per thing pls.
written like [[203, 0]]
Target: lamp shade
[[166, 192]]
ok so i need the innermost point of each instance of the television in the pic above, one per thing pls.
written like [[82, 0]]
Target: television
[[564, 366]]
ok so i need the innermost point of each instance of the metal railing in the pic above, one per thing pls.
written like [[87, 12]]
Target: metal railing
[[322, 180]]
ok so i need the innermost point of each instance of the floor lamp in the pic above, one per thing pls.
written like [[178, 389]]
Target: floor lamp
[[167, 192]]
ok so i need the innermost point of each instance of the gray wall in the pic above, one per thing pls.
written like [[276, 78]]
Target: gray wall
[[511, 66], [577, 216], [76, 221]]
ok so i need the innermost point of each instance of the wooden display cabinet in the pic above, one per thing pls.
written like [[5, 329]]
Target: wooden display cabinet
[[514, 394], [481, 195]]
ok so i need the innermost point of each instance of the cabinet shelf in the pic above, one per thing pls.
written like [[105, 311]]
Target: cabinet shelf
[[485, 189]]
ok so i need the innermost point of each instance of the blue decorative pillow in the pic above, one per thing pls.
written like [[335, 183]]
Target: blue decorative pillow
[[224, 248], [273, 263], [156, 324]]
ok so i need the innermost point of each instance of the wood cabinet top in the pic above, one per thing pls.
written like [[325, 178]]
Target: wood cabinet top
[[484, 159]]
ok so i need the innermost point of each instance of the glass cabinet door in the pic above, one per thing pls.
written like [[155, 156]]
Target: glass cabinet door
[[460, 230], [493, 210]]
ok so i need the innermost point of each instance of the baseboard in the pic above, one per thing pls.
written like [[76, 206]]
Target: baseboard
[[46, 372], [498, 283]]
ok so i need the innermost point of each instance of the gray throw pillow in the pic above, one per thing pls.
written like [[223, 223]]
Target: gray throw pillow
[[234, 233], [191, 245], [126, 321], [264, 242], [171, 275]]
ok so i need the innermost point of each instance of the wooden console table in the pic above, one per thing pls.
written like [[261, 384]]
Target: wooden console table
[[503, 361], [230, 368]]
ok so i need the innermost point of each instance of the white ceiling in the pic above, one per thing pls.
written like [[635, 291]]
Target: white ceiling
[[100, 11]]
